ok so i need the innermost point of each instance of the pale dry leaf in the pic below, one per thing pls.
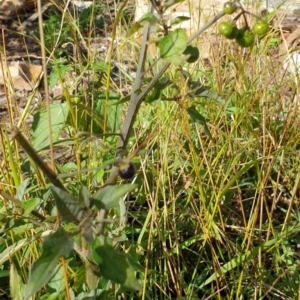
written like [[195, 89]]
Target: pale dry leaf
[[21, 75]]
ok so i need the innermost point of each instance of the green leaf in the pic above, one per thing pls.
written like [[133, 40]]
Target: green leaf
[[157, 91], [113, 110], [17, 286], [207, 93], [150, 17], [22, 188], [154, 95], [191, 54], [100, 66], [123, 100], [179, 20], [30, 205], [109, 196], [57, 73], [114, 265], [67, 205], [173, 45], [40, 126], [4, 273], [84, 196], [55, 246], [197, 117], [56, 282]]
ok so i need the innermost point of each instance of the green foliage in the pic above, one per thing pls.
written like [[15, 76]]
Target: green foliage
[[173, 45], [55, 245], [115, 265], [59, 115], [68, 206], [118, 267], [109, 196], [212, 210]]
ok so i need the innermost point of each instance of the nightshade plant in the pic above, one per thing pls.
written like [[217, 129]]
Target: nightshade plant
[[81, 217]]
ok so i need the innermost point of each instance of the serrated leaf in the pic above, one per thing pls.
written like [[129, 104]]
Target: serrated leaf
[[67, 205], [115, 265], [55, 246], [109, 196], [173, 45], [40, 127], [197, 117]]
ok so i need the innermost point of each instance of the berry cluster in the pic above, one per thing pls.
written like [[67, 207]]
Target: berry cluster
[[245, 36]]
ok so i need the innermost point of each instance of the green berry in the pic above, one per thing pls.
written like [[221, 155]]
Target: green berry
[[229, 7]]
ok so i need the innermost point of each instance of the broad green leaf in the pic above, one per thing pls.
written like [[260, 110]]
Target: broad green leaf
[[113, 110], [108, 197], [67, 205], [55, 246], [56, 282], [123, 100], [173, 45], [157, 92], [30, 205], [4, 273], [100, 66], [40, 126], [57, 73], [19, 225], [21, 189], [114, 265], [84, 196], [150, 17], [191, 54], [197, 117], [53, 296], [16, 283], [154, 95]]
